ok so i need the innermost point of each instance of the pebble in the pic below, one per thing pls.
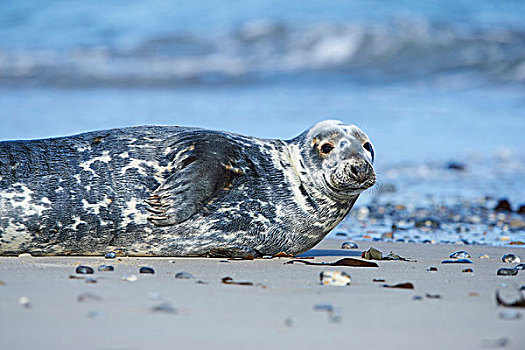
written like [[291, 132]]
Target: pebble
[[505, 271], [459, 261], [25, 255], [129, 278], [165, 307], [460, 255], [145, 269], [96, 314], [183, 275], [349, 245], [484, 256], [84, 270], [341, 234], [509, 315], [106, 268], [519, 267], [467, 270], [334, 278], [110, 255], [427, 223], [510, 258], [25, 302], [432, 268]]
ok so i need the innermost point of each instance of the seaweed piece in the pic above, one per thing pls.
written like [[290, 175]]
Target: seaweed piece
[[433, 296], [351, 262], [229, 280], [406, 285]]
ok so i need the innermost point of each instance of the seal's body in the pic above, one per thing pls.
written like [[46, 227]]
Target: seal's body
[[174, 191]]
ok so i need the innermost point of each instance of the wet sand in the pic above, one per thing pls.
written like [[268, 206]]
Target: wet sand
[[278, 311]]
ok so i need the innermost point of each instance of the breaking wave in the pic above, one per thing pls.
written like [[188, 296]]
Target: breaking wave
[[263, 50]]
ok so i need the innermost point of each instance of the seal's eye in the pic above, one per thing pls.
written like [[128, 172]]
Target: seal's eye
[[369, 148], [326, 148]]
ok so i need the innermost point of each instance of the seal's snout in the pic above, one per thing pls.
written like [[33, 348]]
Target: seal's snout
[[360, 172]]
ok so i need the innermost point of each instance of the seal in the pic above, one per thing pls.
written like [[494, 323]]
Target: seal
[[178, 191]]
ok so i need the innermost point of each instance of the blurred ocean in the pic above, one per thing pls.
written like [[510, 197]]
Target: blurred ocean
[[434, 80]]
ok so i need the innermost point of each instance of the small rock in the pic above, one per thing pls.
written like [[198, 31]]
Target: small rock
[[456, 166], [165, 307], [129, 278], [521, 209], [147, 270], [334, 278], [106, 268], [460, 255], [25, 255], [349, 245], [484, 256], [25, 302], [110, 255], [96, 315], [417, 297], [183, 275], [429, 223], [519, 267], [84, 270], [459, 261], [510, 258], [503, 205], [505, 271], [341, 234], [432, 268], [509, 315], [469, 270]]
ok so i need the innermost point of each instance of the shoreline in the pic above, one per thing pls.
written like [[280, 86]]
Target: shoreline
[[286, 305]]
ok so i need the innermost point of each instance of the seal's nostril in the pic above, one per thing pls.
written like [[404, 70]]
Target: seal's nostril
[[354, 170]]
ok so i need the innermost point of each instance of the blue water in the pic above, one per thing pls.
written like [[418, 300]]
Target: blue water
[[429, 81]]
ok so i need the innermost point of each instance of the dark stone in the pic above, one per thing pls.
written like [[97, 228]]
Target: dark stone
[[521, 209], [105, 268], [456, 166], [84, 270], [145, 269], [503, 205], [505, 271]]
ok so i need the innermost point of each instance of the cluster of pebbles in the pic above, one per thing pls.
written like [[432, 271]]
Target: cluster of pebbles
[[474, 202]]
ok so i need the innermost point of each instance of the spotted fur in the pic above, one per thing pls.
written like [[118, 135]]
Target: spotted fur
[[173, 191]]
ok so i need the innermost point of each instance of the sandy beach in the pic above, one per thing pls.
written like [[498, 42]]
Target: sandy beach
[[285, 307]]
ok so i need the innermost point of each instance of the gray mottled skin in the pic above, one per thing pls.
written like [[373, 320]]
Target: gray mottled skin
[[174, 191]]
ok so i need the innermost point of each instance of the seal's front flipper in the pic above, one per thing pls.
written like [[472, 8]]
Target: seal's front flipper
[[241, 252], [204, 163]]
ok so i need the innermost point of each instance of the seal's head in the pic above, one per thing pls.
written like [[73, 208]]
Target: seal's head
[[339, 158]]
